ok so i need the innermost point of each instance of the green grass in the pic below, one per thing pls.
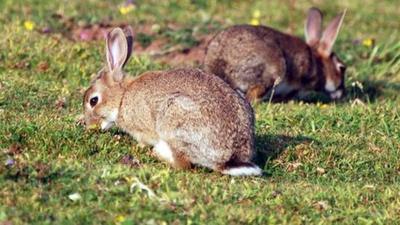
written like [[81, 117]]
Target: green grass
[[336, 163]]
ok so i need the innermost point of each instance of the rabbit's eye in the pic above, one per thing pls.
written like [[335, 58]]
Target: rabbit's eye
[[93, 101]]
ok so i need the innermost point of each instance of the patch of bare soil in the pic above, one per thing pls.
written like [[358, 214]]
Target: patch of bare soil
[[159, 49]]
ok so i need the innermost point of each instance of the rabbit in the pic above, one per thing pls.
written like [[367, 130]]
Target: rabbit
[[188, 116], [264, 63]]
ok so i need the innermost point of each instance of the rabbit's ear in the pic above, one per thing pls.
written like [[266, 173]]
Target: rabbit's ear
[[330, 34], [313, 26], [129, 41], [116, 49]]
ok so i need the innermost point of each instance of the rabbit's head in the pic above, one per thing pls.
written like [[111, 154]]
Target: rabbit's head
[[102, 99], [329, 66]]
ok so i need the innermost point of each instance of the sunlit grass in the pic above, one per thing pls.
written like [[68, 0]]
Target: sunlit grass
[[323, 162]]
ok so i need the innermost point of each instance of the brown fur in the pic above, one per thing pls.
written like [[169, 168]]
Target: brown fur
[[202, 120], [248, 57], [254, 92]]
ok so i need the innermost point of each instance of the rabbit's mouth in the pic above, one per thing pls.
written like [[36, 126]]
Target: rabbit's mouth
[[103, 122], [336, 94], [99, 123], [91, 122]]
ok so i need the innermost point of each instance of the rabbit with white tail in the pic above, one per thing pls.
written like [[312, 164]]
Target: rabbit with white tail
[[262, 62], [188, 116]]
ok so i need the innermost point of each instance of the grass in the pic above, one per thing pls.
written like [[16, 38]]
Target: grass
[[335, 163]]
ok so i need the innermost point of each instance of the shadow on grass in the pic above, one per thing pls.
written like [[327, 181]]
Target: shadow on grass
[[269, 147], [373, 90], [364, 90]]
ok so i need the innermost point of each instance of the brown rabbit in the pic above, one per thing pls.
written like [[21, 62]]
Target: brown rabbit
[[190, 117], [260, 61]]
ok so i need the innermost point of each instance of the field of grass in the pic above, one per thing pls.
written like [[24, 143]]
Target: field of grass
[[324, 163]]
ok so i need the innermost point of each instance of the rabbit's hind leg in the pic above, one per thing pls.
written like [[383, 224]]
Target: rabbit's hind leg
[[169, 152]]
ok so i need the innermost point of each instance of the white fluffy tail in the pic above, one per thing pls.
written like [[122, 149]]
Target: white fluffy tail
[[242, 169]]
